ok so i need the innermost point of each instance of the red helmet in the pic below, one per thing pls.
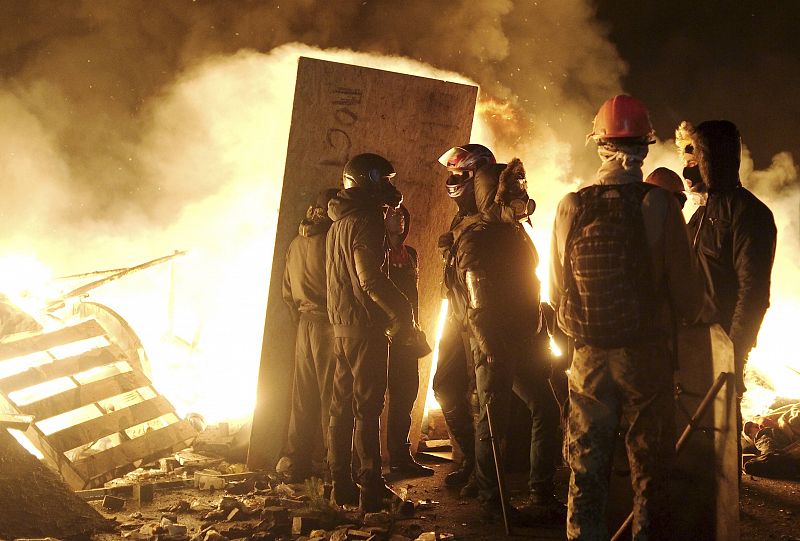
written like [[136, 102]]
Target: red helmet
[[467, 157], [623, 117]]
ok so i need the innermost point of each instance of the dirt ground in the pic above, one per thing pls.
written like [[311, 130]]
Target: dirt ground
[[768, 509]]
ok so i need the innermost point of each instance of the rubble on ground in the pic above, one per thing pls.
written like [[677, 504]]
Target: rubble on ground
[[236, 504]]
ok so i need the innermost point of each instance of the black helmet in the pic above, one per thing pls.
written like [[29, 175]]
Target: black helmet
[[368, 171]]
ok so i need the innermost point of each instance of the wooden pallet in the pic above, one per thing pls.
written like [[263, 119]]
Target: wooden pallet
[[82, 391]]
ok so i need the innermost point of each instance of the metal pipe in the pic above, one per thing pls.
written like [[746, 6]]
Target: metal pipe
[[498, 466], [698, 414]]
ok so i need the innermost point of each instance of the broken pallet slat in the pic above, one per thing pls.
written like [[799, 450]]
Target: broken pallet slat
[[150, 443], [110, 423], [55, 459], [17, 422], [62, 368], [40, 342], [85, 394]]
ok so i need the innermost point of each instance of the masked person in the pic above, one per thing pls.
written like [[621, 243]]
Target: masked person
[[403, 379], [366, 309], [670, 181], [305, 293], [496, 272], [454, 380], [620, 257], [733, 235]]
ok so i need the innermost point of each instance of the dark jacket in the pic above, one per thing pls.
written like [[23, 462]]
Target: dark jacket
[[501, 260], [361, 298], [402, 266], [734, 238], [304, 282]]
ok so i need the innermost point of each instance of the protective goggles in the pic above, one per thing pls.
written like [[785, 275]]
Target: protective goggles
[[457, 184]]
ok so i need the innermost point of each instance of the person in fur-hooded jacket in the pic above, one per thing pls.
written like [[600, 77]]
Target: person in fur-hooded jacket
[[496, 263], [733, 235]]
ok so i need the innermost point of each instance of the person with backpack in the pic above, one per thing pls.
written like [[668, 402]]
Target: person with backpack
[[621, 260], [495, 264]]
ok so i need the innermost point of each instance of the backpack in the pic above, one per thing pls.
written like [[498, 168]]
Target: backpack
[[607, 276]]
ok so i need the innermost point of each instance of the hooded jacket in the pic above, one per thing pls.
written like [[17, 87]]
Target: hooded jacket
[[496, 259], [361, 298], [734, 238], [674, 271], [402, 266], [304, 282]]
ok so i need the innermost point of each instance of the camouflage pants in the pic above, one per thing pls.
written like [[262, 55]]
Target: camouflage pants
[[607, 386]]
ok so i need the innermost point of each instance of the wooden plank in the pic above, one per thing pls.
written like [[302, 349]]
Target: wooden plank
[[339, 111], [52, 458], [110, 423], [41, 342], [61, 368], [130, 451], [15, 421], [85, 394]]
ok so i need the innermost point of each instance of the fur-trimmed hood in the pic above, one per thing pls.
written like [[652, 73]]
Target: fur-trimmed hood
[[717, 147]]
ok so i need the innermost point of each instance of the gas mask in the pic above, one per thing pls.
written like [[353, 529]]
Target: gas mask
[[694, 178], [515, 204]]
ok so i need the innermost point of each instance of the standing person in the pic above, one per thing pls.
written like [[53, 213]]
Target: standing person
[[454, 380], [620, 256], [496, 272], [403, 383], [733, 234], [366, 309], [670, 181], [305, 293]]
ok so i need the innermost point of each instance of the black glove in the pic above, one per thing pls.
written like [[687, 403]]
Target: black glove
[[445, 240], [494, 375]]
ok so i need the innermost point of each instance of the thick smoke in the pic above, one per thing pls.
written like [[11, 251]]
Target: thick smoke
[[86, 80], [132, 129]]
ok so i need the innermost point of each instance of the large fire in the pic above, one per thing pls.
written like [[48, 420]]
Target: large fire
[[201, 318]]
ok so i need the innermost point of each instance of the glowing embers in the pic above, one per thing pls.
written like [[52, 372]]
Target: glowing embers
[[94, 412]]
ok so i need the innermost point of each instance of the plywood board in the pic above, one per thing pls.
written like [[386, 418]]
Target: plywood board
[[339, 111], [41, 342], [705, 482]]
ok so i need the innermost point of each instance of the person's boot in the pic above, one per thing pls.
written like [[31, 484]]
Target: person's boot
[[373, 489], [460, 476], [340, 441], [460, 423], [470, 490], [403, 463], [544, 506]]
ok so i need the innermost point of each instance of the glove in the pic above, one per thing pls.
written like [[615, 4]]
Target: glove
[[445, 240], [399, 332], [494, 376]]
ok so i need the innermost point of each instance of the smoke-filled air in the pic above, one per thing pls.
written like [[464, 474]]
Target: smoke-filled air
[[130, 132]]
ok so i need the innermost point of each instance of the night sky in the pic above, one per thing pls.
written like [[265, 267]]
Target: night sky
[[698, 60]]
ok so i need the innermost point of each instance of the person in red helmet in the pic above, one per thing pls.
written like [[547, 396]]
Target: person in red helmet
[[620, 257], [670, 181]]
